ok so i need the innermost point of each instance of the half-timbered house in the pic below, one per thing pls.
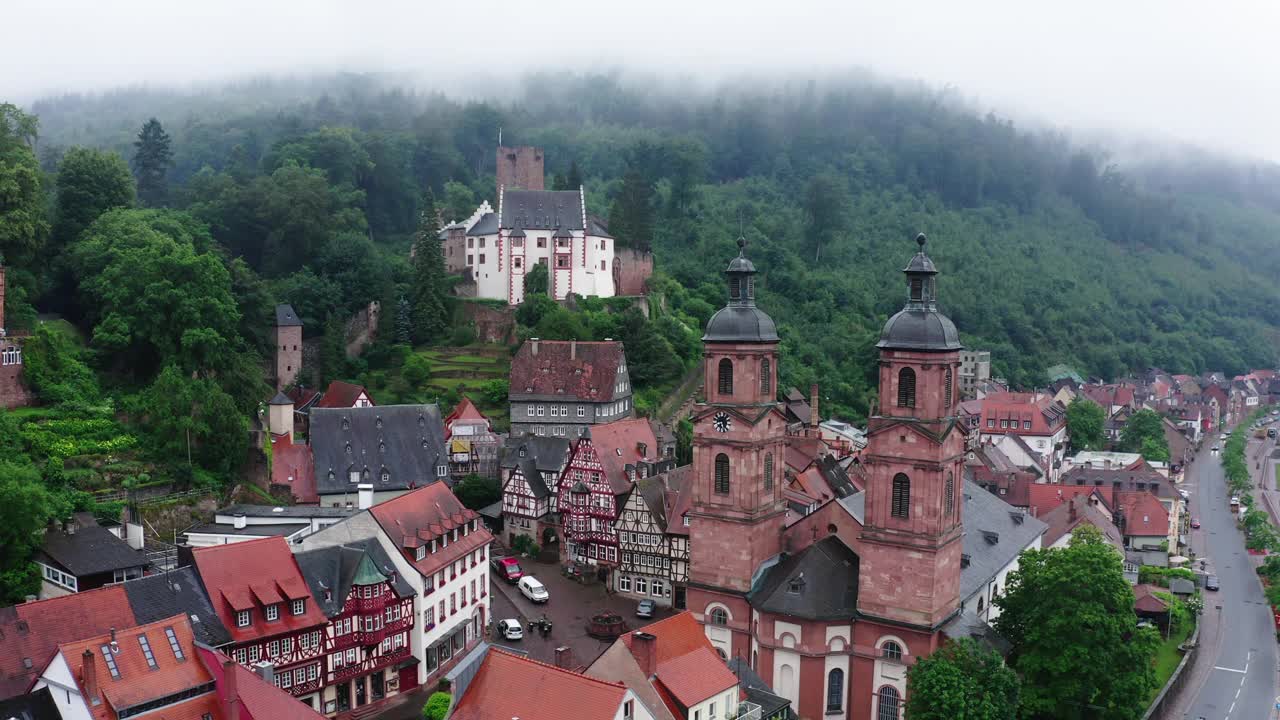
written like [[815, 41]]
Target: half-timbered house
[[259, 594], [473, 445], [653, 540], [370, 610], [536, 462]]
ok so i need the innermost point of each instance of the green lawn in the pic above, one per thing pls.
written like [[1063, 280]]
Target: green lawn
[[1167, 658]]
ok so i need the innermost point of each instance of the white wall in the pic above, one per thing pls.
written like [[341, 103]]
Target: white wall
[[639, 710], [495, 280], [721, 700], [66, 693]]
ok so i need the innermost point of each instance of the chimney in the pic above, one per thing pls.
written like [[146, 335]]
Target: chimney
[[266, 671], [645, 649], [813, 405], [365, 498], [564, 657], [240, 521], [573, 349], [231, 696], [1071, 510], [533, 345], [89, 676]]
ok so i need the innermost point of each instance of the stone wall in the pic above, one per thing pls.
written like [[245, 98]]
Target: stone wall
[[631, 271], [520, 167], [492, 324], [362, 329], [13, 391]]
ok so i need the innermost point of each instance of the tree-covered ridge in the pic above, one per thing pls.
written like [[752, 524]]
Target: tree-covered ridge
[[1048, 254]]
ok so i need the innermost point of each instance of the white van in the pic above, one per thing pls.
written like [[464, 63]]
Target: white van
[[531, 588]]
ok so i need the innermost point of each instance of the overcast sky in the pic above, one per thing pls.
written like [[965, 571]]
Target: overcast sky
[[1203, 72]]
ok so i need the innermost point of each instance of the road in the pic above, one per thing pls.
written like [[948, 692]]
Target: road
[[1238, 669]]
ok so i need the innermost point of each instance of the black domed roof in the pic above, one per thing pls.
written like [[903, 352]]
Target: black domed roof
[[740, 264], [741, 323], [914, 329]]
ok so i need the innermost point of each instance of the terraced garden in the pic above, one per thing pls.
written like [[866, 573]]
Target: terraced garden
[[449, 373]]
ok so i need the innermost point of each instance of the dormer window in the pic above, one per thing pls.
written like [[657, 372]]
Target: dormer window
[[346, 424], [422, 552], [242, 618], [382, 447], [297, 607], [377, 422], [796, 584], [386, 476], [354, 476], [273, 612], [348, 448]]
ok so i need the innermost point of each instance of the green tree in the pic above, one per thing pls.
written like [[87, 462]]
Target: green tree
[[416, 370], [23, 226], [1068, 614], [53, 367], [459, 201], [404, 321], [496, 392], [430, 305], [151, 162], [1143, 433], [536, 281], [825, 200], [89, 183], [437, 706], [631, 215], [333, 348], [192, 419], [27, 507], [477, 492], [1086, 424], [962, 679], [573, 180]]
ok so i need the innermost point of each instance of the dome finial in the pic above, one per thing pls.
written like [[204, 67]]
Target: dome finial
[[921, 240], [742, 246]]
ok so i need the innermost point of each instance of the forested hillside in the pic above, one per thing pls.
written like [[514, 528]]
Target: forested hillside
[[1048, 253]]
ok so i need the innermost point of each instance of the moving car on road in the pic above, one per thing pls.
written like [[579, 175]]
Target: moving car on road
[[1195, 522], [645, 608], [1211, 583], [510, 629], [531, 588]]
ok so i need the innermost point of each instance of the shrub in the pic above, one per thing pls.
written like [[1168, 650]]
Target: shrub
[[437, 706], [463, 335]]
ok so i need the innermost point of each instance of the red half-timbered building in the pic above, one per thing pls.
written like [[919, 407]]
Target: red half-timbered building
[[259, 594], [370, 611]]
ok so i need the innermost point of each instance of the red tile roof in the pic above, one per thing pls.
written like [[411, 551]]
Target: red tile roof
[[1061, 521], [1144, 514], [566, 370], [695, 677], [259, 699], [343, 395], [618, 445], [466, 410], [508, 686], [31, 632], [244, 575], [292, 464], [677, 635], [416, 517], [1039, 410], [1145, 600], [1041, 498], [138, 682], [1108, 395]]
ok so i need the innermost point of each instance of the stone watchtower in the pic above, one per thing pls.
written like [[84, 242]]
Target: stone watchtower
[[288, 345], [911, 536], [520, 168], [739, 440]]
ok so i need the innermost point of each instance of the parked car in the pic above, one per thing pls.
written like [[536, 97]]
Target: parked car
[[1235, 501], [510, 629], [1185, 495], [1211, 583], [531, 588], [1214, 449], [506, 568], [645, 608], [1271, 432], [1195, 522]]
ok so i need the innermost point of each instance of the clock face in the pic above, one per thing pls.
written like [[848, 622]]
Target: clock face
[[722, 422]]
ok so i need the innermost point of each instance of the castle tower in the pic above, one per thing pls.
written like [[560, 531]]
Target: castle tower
[[520, 168], [911, 536], [739, 438], [288, 346]]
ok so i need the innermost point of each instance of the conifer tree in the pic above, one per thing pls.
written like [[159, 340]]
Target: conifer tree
[[430, 310], [404, 322], [151, 163], [574, 179]]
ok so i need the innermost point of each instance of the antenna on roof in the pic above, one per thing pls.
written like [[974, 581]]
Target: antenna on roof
[[499, 136]]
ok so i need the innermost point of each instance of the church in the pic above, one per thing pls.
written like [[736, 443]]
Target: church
[[830, 608]]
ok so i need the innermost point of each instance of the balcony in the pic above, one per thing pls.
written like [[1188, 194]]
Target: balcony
[[745, 711]]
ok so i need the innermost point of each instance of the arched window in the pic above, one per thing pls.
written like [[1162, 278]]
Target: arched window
[[719, 616], [722, 474], [901, 505], [725, 379], [720, 652], [835, 690], [889, 702], [946, 390], [735, 288], [768, 471], [891, 650], [981, 604], [949, 494], [906, 388], [766, 378]]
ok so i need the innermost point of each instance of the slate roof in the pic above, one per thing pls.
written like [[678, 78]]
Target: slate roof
[[967, 624], [163, 595], [509, 686], [541, 209], [913, 329], [261, 530], [994, 534], [567, 371], [31, 632], [529, 471], [756, 689], [549, 453], [334, 568], [741, 323], [90, 551], [407, 440], [597, 227], [486, 225], [342, 395], [285, 511], [37, 705], [828, 571], [286, 317]]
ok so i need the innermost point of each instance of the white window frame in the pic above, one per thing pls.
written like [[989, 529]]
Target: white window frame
[[272, 612], [298, 607], [244, 618]]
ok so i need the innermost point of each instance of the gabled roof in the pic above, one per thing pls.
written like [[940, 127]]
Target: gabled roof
[[995, 533], [1043, 498], [509, 686], [417, 517], [1146, 601], [817, 583], [549, 453], [259, 699], [466, 410], [405, 440], [336, 568], [1142, 514], [686, 668], [31, 632], [249, 575], [136, 681], [528, 470], [286, 317], [695, 677], [567, 371], [677, 636], [293, 466], [1046, 415], [486, 225], [89, 551], [541, 209], [679, 498], [341, 394], [618, 444], [1088, 511], [163, 595]]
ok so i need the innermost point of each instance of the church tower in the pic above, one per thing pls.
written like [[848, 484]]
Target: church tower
[[911, 538], [739, 438]]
